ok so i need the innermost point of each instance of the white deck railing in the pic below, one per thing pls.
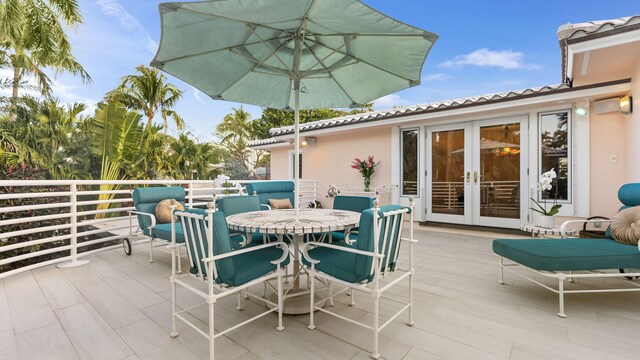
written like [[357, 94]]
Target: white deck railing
[[84, 213]]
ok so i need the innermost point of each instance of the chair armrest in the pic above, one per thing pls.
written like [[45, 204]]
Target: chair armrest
[[305, 253], [250, 249], [563, 227], [267, 207], [152, 216]]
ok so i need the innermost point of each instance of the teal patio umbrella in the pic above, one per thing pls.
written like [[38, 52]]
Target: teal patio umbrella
[[290, 54]]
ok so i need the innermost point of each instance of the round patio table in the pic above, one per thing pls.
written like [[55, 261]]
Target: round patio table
[[284, 222]]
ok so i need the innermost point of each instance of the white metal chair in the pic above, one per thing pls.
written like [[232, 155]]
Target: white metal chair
[[366, 266], [224, 270]]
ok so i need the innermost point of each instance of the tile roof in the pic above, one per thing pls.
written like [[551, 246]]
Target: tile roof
[[575, 31], [263, 142], [410, 110]]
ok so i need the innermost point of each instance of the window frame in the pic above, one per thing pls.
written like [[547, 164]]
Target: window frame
[[570, 159], [418, 182], [291, 164]]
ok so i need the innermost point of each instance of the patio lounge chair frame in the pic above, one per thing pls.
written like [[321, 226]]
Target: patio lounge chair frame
[[562, 276], [374, 288], [214, 290]]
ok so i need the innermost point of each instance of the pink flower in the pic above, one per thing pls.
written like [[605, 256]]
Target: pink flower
[[369, 166], [357, 160], [354, 167]]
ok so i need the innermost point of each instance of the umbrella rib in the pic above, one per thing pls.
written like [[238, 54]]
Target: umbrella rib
[[324, 58], [251, 70], [353, 102], [371, 34], [269, 47], [233, 19], [366, 62], [222, 49], [256, 61]]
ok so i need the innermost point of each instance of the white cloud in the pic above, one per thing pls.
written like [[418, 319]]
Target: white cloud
[[389, 101], [437, 77], [505, 59], [127, 21]]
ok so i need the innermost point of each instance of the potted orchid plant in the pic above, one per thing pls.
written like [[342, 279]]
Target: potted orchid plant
[[366, 168], [223, 182], [544, 216]]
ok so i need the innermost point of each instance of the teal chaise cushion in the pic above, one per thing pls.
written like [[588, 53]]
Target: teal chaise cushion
[[266, 190], [568, 254]]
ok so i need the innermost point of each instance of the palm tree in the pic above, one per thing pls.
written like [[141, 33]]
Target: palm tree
[[235, 127], [149, 92], [32, 37]]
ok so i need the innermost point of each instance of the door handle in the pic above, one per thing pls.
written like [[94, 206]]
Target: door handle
[[468, 177], [475, 177]]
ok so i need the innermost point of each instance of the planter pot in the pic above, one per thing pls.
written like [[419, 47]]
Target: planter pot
[[544, 221]]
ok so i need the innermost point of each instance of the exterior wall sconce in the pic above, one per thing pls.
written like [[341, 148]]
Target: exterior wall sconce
[[626, 106], [308, 140], [582, 109]]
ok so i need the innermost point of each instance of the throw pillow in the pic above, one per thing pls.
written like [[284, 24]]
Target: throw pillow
[[163, 210], [277, 204], [625, 226]]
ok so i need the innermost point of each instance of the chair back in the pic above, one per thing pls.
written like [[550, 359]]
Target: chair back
[[629, 196], [353, 203], [380, 233], [232, 205], [266, 190], [146, 199], [206, 234]]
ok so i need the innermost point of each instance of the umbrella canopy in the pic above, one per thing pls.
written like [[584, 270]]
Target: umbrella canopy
[[290, 54]]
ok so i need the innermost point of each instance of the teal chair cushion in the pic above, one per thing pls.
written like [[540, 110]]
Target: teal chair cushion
[[146, 199], [163, 231], [357, 268], [239, 204], [236, 270], [339, 264], [352, 203], [266, 190], [568, 254], [629, 196]]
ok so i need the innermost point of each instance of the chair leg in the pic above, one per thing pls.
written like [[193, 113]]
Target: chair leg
[[264, 290], [501, 281], [179, 260], [352, 297], [151, 250], [331, 294], [376, 326], [411, 322], [174, 299], [240, 305], [311, 298], [561, 278], [280, 300], [211, 331]]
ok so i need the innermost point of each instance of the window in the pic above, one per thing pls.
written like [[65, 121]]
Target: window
[[292, 157], [555, 153], [410, 162]]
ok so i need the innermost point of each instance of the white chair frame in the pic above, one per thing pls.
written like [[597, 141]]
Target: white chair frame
[[375, 288], [215, 291], [562, 276]]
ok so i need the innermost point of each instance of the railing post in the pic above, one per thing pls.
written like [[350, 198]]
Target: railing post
[[190, 194], [73, 241]]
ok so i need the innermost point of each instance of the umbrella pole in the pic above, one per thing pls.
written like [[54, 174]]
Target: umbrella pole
[[296, 170]]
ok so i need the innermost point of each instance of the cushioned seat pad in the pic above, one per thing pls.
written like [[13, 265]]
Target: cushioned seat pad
[[568, 254], [163, 231], [253, 265]]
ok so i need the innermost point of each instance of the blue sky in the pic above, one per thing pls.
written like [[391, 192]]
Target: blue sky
[[484, 47]]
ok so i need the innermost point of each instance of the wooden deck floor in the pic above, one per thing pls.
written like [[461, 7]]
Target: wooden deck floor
[[117, 307]]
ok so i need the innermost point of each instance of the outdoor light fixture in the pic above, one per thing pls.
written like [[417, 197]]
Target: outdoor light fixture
[[625, 105], [309, 140], [582, 109]]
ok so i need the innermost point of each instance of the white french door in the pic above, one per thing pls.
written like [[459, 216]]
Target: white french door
[[476, 171]]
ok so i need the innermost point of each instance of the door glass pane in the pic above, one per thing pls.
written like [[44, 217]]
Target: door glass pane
[[554, 153], [447, 193], [499, 172], [410, 162]]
